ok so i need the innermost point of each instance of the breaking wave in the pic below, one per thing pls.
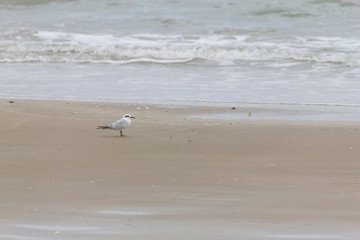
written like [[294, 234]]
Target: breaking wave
[[61, 47]]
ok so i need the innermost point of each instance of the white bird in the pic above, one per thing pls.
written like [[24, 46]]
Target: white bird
[[119, 124]]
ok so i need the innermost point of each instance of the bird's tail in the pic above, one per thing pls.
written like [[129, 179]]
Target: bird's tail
[[102, 127]]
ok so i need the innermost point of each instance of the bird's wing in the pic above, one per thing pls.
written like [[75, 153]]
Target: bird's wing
[[119, 124]]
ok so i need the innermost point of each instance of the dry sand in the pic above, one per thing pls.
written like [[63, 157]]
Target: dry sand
[[173, 176]]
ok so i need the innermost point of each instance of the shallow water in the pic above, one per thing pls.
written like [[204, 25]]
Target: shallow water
[[153, 83]]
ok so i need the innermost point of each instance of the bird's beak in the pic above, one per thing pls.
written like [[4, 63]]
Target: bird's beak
[[132, 117]]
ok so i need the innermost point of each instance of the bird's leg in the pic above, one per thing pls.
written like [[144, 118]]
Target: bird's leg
[[121, 135]]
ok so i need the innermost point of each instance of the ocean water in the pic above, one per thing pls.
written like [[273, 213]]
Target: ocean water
[[212, 51]]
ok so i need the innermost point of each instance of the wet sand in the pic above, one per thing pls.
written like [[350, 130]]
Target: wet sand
[[174, 176]]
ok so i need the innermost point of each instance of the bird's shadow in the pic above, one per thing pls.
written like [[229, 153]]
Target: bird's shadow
[[114, 136]]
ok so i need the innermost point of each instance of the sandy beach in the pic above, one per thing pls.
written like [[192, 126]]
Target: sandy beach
[[174, 176]]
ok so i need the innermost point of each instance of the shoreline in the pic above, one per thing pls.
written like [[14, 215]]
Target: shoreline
[[178, 102], [174, 176], [240, 111]]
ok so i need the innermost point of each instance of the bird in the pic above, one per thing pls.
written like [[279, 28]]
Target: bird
[[119, 124]]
